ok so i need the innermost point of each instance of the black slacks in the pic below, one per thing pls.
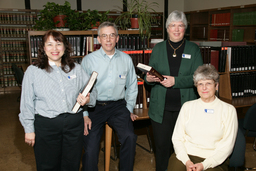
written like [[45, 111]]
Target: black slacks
[[59, 142], [162, 133], [117, 116]]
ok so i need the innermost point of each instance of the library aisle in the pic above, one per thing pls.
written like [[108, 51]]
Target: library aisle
[[18, 156]]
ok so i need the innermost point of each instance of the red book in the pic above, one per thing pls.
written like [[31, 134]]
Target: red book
[[215, 58]]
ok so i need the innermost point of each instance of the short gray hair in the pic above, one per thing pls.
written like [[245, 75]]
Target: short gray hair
[[206, 72], [176, 16], [107, 24]]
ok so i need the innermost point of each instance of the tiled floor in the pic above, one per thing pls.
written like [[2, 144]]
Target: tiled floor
[[15, 155]]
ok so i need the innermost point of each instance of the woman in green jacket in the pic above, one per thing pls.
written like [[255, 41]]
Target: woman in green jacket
[[176, 59]]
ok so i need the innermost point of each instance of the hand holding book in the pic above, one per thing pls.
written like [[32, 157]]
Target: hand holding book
[[86, 90], [150, 69]]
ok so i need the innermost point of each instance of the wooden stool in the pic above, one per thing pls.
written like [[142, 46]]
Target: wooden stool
[[142, 114]]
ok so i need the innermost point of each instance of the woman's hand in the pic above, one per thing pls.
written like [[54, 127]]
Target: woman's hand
[[133, 117], [30, 138], [197, 167], [169, 81], [83, 100], [152, 78], [87, 125]]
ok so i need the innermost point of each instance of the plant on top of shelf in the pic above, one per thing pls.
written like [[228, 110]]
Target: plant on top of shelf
[[45, 17], [140, 9], [96, 18]]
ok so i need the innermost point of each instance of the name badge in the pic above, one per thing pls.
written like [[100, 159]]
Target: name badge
[[187, 56], [122, 76], [71, 77], [210, 111]]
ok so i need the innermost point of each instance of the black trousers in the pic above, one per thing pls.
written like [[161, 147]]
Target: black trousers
[[117, 116], [59, 142], [162, 133]]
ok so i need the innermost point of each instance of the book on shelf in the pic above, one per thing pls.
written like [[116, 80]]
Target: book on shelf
[[215, 58], [87, 89], [150, 69], [238, 35]]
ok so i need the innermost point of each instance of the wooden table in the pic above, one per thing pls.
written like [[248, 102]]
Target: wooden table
[[142, 113], [241, 101]]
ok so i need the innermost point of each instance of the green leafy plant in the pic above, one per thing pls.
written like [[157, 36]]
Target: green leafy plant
[[95, 16], [142, 9], [51, 9]]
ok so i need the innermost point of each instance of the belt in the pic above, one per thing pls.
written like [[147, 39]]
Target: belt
[[105, 103]]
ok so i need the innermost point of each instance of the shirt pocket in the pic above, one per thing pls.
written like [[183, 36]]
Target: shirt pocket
[[122, 78]]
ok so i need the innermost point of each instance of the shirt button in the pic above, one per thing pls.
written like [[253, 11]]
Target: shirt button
[[62, 90], [63, 100], [60, 80]]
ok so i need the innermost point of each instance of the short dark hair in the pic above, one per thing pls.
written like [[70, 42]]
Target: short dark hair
[[66, 60]]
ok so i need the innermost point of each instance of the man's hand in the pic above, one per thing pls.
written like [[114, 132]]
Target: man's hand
[[87, 125], [30, 138], [133, 117]]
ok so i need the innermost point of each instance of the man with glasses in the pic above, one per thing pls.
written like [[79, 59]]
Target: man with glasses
[[117, 92]]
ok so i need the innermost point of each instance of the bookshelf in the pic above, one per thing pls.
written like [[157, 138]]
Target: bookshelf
[[237, 73], [223, 24], [88, 34], [230, 25], [14, 25]]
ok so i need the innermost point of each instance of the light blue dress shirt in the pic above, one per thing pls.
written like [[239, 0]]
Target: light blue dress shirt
[[116, 76], [50, 94]]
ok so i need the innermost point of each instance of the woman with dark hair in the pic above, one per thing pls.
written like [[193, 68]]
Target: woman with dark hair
[[50, 89]]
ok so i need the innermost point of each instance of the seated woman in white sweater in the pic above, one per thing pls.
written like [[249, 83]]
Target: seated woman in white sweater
[[206, 129]]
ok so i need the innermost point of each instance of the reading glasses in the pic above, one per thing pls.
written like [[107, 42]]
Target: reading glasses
[[180, 26], [111, 36], [208, 84]]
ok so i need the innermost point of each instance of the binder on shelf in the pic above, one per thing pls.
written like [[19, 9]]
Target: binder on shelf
[[150, 69], [87, 89]]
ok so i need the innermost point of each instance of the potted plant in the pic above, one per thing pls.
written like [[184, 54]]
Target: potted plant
[[96, 18], [50, 16], [141, 10]]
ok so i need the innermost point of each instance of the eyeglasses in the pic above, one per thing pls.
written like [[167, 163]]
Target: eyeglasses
[[180, 26], [105, 36], [208, 84]]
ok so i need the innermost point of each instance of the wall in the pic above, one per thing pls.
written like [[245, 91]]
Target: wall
[[194, 5], [18, 4], [92, 4]]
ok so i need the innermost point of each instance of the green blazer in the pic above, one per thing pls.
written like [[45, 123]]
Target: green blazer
[[189, 63]]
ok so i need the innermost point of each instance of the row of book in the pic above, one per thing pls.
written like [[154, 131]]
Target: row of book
[[132, 42], [8, 81], [219, 34], [6, 69], [244, 18], [240, 58], [222, 19], [18, 18], [238, 35], [14, 56], [13, 45], [139, 56], [243, 84], [11, 31], [81, 45]]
